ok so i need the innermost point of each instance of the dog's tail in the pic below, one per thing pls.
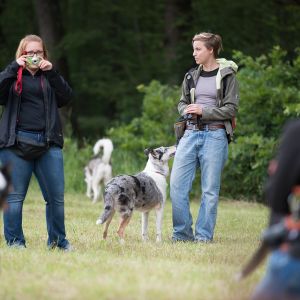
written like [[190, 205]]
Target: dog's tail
[[107, 146], [108, 208], [108, 211]]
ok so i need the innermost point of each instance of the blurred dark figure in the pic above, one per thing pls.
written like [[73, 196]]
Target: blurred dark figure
[[282, 278]]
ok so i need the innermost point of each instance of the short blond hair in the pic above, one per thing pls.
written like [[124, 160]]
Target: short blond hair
[[210, 40], [27, 39]]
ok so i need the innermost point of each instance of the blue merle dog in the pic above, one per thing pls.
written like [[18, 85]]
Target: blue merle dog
[[144, 191]]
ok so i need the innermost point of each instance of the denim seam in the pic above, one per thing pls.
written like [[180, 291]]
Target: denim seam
[[43, 181]]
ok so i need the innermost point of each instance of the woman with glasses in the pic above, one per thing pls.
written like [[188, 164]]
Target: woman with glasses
[[31, 139], [209, 100]]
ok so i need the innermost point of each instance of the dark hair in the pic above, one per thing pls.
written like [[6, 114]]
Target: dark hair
[[211, 41]]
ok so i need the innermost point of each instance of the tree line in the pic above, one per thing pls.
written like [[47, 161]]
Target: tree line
[[107, 48]]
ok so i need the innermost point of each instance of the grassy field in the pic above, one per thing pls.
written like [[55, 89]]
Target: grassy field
[[108, 270]]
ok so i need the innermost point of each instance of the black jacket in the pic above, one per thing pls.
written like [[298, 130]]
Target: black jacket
[[57, 93], [287, 174]]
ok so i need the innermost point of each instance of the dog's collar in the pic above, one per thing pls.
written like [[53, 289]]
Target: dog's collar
[[160, 173]]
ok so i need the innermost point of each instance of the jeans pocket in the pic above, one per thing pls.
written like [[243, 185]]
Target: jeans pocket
[[218, 134], [187, 133]]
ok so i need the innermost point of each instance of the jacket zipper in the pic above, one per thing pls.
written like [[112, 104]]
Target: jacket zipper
[[17, 117], [46, 102]]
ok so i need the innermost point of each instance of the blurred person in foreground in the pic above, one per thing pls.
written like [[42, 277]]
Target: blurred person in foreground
[[282, 238]]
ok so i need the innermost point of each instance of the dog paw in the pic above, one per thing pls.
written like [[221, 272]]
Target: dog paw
[[238, 277], [158, 239], [98, 222], [145, 238]]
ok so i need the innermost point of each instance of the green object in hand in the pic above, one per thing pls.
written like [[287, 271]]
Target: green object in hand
[[33, 60]]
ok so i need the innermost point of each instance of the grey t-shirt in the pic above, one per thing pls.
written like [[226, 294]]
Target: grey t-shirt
[[206, 91]]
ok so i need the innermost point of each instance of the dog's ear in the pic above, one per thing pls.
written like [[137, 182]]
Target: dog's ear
[[147, 151]]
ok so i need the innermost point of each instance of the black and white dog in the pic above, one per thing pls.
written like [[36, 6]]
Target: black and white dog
[[5, 185], [144, 191], [98, 170]]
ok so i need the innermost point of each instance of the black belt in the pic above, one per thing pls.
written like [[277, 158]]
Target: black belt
[[205, 127]]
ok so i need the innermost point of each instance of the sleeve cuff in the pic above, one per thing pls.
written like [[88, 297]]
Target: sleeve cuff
[[14, 66], [204, 114]]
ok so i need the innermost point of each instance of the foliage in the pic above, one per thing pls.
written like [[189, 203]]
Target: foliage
[[269, 92], [155, 125], [113, 46], [269, 89], [246, 169], [75, 160]]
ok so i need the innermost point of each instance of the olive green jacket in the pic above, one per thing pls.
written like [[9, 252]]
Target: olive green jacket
[[227, 104]]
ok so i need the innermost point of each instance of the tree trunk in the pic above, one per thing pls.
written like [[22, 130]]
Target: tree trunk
[[51, 30], [171, 36]]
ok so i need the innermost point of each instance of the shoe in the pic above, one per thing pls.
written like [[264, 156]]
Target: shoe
[[52, 246], [17, 246], [203, 241], [176, 240], [68, 248]]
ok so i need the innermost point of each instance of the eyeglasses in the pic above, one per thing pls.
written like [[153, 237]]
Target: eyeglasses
[[32, 53]]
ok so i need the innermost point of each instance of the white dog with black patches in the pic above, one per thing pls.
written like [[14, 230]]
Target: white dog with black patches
[[98, 170], [144, 191]]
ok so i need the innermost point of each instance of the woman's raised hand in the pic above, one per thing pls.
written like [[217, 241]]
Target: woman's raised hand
[[45, 65], [21, 61]]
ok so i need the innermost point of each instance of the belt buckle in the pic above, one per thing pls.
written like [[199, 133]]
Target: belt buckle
[[193, 126]]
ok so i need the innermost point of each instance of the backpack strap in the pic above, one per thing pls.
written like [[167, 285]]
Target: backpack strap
[[190, 84], [224, 85]]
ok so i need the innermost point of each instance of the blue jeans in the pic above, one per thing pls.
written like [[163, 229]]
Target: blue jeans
[[282, 279], [209, 150], [49, 172]]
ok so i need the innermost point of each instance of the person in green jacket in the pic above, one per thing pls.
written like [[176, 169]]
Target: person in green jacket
[[209, 101]]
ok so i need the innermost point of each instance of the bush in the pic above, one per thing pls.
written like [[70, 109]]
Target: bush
[[153, 128], [246, 169], [74, 161], [269, 89]]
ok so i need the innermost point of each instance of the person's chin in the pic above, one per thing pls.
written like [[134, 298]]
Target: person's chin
[[33, 67]]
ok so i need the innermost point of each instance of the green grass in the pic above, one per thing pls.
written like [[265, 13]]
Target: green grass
[[108, 270]]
